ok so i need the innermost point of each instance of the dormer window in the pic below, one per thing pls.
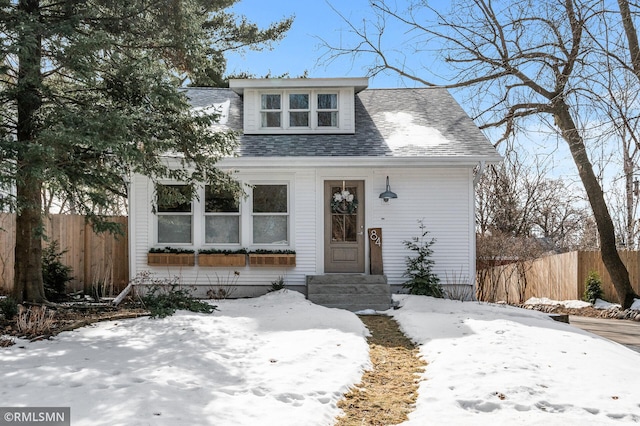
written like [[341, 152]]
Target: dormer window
[[299, 106], [295, 110], [298, 110], [327, 110], [271, 110]]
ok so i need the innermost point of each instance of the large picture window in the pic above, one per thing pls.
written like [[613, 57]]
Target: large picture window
[[221, 216], [175, 214], [270, 214]]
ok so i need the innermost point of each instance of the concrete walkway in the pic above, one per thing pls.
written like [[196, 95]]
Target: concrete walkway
[[621, 331]]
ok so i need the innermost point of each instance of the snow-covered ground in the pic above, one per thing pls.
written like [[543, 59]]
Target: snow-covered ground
[[280, 360]]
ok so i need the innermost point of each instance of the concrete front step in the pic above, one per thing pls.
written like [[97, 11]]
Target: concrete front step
[[354, 292]]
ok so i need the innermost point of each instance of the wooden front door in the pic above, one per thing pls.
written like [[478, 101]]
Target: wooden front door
[[344, 226]]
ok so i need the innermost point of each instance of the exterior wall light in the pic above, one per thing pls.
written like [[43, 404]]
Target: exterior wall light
[[388, 194]]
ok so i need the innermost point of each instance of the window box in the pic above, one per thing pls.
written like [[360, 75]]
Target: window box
[[282, 258], [171, 257], [222, 258]]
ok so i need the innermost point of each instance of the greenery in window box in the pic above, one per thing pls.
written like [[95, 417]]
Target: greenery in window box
[[222, 251], [268, 251], [172, 250]]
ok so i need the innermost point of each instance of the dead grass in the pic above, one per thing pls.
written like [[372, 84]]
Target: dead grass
[[387, 393]]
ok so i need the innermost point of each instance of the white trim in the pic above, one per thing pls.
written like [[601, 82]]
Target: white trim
[[239, 84], [377, 162]]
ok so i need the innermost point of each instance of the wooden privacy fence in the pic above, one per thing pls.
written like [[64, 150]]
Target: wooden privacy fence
[[98, 260], [558, 277]]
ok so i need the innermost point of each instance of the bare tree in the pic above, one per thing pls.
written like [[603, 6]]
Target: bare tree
[[524, 59]]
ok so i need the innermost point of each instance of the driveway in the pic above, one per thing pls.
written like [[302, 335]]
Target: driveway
[[622, 331]]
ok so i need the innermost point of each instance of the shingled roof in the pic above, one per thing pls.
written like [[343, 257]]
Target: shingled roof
[[416, 123]]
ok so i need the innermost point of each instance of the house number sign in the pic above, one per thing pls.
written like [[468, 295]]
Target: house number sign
[[375, 250]]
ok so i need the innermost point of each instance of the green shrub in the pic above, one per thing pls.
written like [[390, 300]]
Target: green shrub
[[277, 284], [55, 274], [422, 280], [593, 288], [164, 300], [8, 307]]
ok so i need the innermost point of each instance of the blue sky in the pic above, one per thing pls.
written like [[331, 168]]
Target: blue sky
[[300, 49]]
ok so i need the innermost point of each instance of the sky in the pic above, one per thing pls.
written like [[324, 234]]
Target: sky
[[281, 360], [301, 50]]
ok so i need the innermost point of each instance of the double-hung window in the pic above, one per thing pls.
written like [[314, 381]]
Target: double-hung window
[[299, 110], [175, 214], [271, 110], [270, 214], [221, 216], [327, 109]]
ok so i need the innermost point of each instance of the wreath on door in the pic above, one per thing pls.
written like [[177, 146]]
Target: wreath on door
[[344, 202]]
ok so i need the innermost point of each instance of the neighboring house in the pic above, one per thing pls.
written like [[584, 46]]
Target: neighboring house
[[303, 142]]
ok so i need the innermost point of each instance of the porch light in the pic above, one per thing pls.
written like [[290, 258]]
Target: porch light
[[388, 194]]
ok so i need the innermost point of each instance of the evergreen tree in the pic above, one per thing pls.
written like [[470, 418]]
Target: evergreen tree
[[90, 93]]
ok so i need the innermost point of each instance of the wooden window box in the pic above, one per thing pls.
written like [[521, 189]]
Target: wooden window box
[[222, 260], [171, 259], [275, 259]]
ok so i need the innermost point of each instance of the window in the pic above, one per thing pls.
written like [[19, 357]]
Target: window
[[298, 110], [174, 211], [270, 214], [221, 216], [271, 110], [327, 110], [292, 110]]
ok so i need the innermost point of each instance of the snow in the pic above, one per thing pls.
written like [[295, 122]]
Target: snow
[[281, 360], [571, 304], [604, 305]]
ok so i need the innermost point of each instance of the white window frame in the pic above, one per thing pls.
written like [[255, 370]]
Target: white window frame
[[190, 213], [252, 215], [205, 214], [280, 111], [319, 110], [285, 109]]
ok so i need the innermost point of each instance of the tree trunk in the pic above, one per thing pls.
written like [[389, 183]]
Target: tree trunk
[[28, 285], [610, 257]]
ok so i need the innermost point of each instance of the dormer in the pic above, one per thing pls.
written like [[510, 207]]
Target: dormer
[[298, 105]]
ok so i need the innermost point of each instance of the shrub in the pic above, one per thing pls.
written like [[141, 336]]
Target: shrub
[[422, 280], [55, 274], [164, 300], [171, 250], [8, 307], [35, 321], [593, 288], [277, 284], [224, 287]]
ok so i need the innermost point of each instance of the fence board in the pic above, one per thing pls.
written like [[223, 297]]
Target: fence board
[[558, 277], [96, 259]]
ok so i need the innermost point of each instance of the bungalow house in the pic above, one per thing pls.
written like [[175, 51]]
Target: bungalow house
[[339, 174]]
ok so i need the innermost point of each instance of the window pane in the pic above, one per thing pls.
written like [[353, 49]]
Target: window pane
[[271, 119], [299, 119], [270, 199], [174, 229], [270, 229], [173, 198], [328, 119], [298, 101], [270, 102], [219, 201], [222, 229], [328, 101]]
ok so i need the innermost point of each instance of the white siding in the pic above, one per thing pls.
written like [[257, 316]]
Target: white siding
[[443, 197]]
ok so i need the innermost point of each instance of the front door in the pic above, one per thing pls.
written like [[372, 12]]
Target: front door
[[344, 226]]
